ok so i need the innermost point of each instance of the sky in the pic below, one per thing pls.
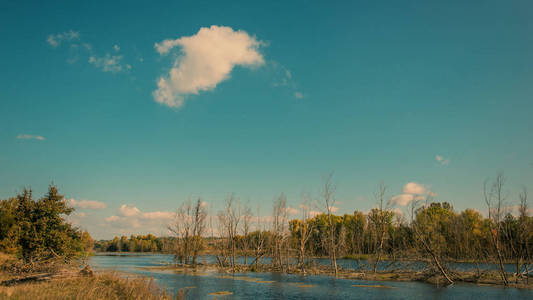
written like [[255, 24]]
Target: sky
[[133, 107]]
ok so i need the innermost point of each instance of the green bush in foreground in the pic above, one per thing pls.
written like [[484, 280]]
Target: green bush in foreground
[[36, 230]]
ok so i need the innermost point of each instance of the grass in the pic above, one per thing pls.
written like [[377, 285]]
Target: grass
[[102, 285]]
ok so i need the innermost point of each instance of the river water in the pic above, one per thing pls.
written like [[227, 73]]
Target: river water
[[288, 286]]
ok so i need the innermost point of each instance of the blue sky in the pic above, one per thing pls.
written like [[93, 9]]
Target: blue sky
[[374, 90]]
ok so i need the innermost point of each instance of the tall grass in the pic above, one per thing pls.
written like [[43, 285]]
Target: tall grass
[[101, 286]]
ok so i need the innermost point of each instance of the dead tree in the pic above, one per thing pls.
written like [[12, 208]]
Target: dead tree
[[523, 234], [279, 229], [380, 218], [198, 228], [494, 199], [246, 222], [328, 194], [182, 229], [304, 231], [229, 220], [258, 240]]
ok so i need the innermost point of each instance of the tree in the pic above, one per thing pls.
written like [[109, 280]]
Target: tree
[[381, 218], [494, 199], [37, 230], [301, 230], [328, 194], [430, 227], [279, 229]]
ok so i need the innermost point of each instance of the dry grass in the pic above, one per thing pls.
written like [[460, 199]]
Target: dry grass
[[100, 286]]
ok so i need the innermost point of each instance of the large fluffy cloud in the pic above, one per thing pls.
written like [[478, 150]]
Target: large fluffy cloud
[[207, 58]]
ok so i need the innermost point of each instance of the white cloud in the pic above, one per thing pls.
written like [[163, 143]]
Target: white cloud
[[30, 137], [398, 211], [314, 213], [108, 63], [207, 58], [402, 199], [128, 210], [414, 188], [333, 209], [158, 215], [112, 219], [412, 191], [291, 211], [55, 40], [90, 204], [441, 160]]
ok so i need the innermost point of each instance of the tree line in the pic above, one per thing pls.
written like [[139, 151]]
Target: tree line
[[431, 231], [135, 243]]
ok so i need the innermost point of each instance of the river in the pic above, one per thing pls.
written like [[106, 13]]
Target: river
[[289, 286]]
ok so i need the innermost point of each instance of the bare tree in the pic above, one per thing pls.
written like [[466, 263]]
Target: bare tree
[[198, 228], [524, 232], [246, 221], [279, 229], [328, 194], [494, 199], [304, 230], [258, 240], [380, 217], [181, 228], [229, 220]]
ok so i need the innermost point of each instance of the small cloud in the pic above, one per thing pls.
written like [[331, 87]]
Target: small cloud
[[414, 188], [55, 40], [90, 204], [158, 215], [291, 211], [402, 199], [412, 191], [128, 210], [441, 160], [298, 95], [208, 57], [112, 219], [30, 137], [116, 48], [108, 63]]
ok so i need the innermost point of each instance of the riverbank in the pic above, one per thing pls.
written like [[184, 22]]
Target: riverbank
[[69, 283]]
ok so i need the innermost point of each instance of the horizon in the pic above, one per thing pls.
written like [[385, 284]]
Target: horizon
[[133, 109]]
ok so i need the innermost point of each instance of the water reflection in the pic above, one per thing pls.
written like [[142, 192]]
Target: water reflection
[[287, 286]]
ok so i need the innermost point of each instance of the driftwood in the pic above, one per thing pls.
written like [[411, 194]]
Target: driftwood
[[87, 271]]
